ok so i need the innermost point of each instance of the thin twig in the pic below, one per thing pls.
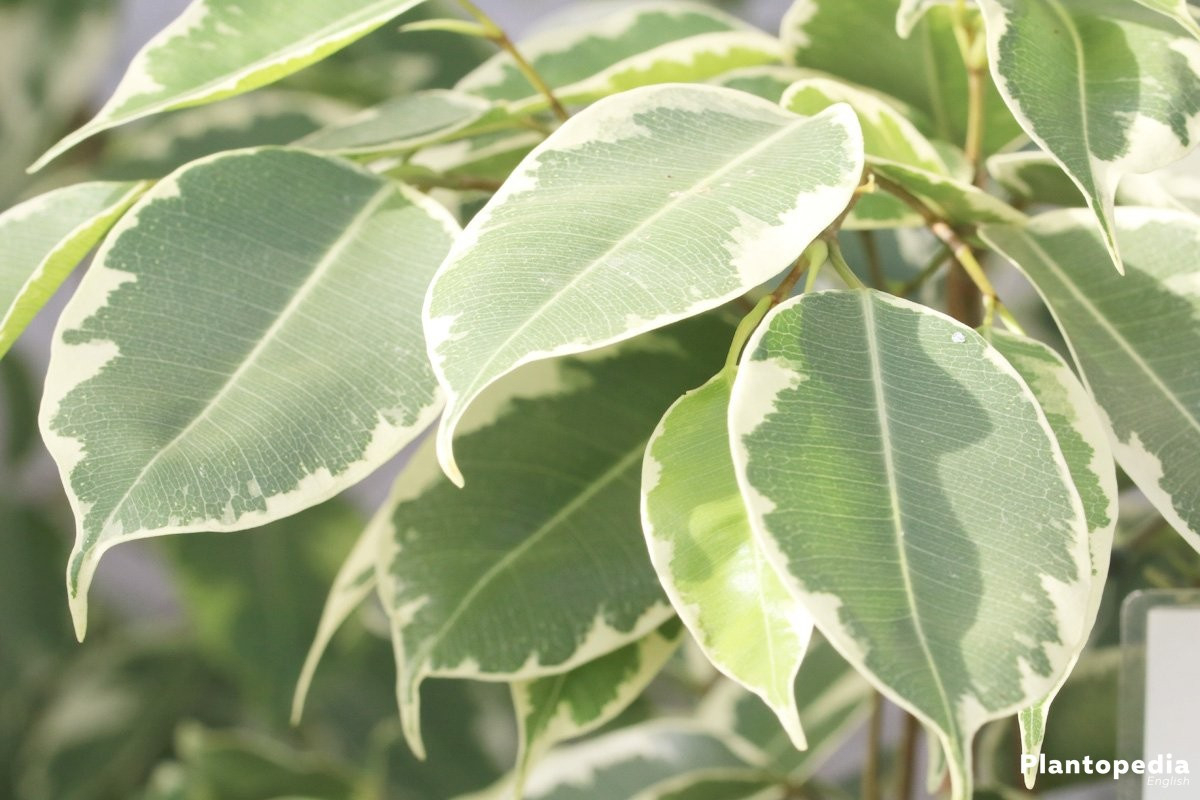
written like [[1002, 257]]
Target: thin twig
[[908, 757], [496, 34], [874, 263], [870, 784]]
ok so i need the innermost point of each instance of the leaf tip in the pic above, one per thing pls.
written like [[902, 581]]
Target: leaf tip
[[445, 454]]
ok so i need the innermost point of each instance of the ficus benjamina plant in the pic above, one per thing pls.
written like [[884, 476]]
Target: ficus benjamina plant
[[833, 367]]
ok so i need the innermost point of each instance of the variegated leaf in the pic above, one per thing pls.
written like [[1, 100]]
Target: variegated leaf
[[550, 518], [1107, 87], [492, 155], [625, 763], [1136, 339], [655, 42], [950, 199], [707, 560], [913, 496], [401, 124], [888, 137], [644, 168], [925, 70], [220, 48], [43, 239], [1179, 10], [1084, 441], [768, 82], [354, 583], [163, 422], [570, 704], [833, 700]]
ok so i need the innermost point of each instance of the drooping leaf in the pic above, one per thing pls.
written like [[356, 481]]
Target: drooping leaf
[[655, 42], [708, 561], [204, 376], [220, 48], [1135, 338], [550, 519], [251, 601], [43, 239], [833, 700], [159, 145], [353, 584], [635, 168], [925, 70], [402, 123], [570, 704], [1106, 87], [1084, 442], [625, 763], [914, 497]]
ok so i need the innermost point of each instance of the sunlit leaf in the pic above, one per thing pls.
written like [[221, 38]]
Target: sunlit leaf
[[635, 168], [400, 124]]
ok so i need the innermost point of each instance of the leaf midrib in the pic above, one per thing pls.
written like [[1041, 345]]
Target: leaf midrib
[[880, 392], [302, 293], [633, 457], [791, 127]]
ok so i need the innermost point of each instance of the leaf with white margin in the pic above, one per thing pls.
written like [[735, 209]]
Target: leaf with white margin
[[910, 13], [1106, 87], [1135, 339], [685, 212], [913, 496], [887, 135], [656, 42], [768, 82], [955, 201], [1083, 437], [925, 70], [353, 584], [568, 705], [551, 519], [707, 560], [402, 123], [1179, 10], [833, 700], [163, 422], [623, 764], [43, 239], [221, 48]]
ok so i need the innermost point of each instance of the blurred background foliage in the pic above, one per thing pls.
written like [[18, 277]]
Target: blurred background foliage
[[190, 702]]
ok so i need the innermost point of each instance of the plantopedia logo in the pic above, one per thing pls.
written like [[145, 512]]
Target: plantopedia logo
[[1162, 770]]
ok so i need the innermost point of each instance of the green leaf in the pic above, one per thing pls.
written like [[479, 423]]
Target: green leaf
[[163, 422], [1135, 339], [950, 199], [632, 167], [706, 558], [159, 145], [1106, 87], [625, 763], [889, 138], [719, 784], [550, 520], [400, 124], [43, 239], [570, 704], [220, 48], [925, 70], [1178, 10], [1033, 176], [911, 12], [833, 700], [914, 498], [657, 42], [1083, 438], [251, 601], [768, 82]]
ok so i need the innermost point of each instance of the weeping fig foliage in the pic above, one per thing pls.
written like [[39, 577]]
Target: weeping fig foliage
[[702, 323]]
